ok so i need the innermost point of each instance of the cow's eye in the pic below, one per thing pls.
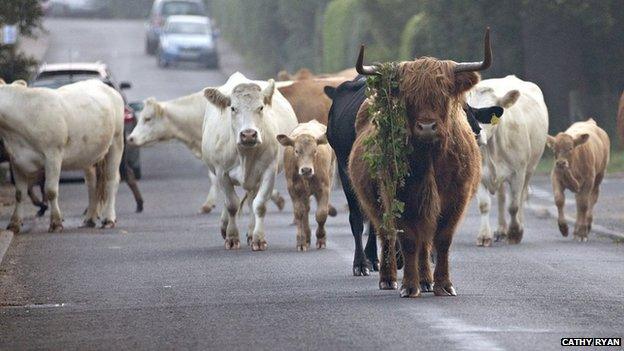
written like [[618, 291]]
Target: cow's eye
[[260, 108], [233, 109], [148, 119]]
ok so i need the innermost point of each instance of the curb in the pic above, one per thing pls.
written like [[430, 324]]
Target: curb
[[6, 236], [597, 229]]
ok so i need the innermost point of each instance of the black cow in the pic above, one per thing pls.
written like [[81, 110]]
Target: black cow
[[346, 101]]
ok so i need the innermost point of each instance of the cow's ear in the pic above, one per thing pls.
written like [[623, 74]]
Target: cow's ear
[[550, 142], [268, 92], [509, 99], [488, 115], [322, 140], [159, 111], [283, 75], [330, 91], [285, 140], [581, 139], [214, 96], [464, 81]]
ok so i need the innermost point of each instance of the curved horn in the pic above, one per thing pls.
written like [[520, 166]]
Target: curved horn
[[364, 70], [478, 66]]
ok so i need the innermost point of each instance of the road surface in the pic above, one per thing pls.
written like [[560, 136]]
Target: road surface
[[162, 280]]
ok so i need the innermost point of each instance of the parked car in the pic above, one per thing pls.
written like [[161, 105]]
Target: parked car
[[85, 8], [161, 10], [187, 38], [59, 74]]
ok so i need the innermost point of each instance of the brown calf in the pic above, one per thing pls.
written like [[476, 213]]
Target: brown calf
[[308, 164], [582, 155], [444, 171]]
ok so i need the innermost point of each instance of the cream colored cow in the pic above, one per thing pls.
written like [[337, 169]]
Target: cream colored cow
[[75, 127]]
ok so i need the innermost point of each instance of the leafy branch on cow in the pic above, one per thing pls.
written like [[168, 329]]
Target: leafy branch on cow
[[388, 147]]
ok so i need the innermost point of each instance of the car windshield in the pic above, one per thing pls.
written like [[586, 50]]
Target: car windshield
[[181, 8], [58, 79], [187, 28]]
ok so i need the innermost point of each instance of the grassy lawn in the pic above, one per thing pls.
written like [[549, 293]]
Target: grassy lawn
[[616, 164]]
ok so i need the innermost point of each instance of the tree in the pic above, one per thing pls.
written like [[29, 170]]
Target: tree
[[26, 14]]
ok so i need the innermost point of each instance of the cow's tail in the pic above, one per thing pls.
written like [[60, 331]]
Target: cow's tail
[[101, 179], [241, 204]]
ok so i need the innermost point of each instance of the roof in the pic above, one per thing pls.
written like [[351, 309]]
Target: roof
[[188, 19], [75, 66]]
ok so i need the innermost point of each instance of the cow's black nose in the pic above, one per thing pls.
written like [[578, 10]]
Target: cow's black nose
[[306, 171]]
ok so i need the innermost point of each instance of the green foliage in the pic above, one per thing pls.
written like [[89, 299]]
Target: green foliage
[[388, 147], [340, 28], [26, 14]]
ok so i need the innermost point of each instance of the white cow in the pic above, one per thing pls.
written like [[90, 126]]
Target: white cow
[[77, 126], [514, 148], [179, 119], [243, 118]]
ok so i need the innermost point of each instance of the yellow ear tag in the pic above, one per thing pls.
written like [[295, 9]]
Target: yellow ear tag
[[495, 120]]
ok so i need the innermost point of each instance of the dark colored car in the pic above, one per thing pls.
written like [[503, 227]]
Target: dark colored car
[[189, 39], [56, 75], [161, 10]]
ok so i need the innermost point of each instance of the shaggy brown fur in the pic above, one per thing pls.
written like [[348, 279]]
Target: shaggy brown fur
[[308, 98], [620, 120], [582, 155], [444, 175]]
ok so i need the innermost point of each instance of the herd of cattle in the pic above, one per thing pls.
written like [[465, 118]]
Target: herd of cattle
[[468, 137]]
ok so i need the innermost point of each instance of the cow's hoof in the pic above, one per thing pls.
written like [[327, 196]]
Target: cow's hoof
[[388, 285], [280, 203], [410, 292], [376, 266], [232, 244], [485, 242], [515, 234], [108, 224], [55, 227], [426, 286], [499, 235], [580, 239], [320, 244], [88, 223], [207, 208], [331, 211], [444, 290], [42, 210], [259, 245], [249, 239], [302, 247], [139, 207], [361, 268], [223, 233], [15, 227], [563, 228]]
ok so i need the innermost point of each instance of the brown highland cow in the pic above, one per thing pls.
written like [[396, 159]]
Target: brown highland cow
[[445, 170]]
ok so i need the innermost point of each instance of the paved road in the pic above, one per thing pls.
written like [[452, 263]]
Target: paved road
[[162, 280]]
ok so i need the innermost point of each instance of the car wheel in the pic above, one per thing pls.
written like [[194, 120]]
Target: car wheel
[[162, 63]]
